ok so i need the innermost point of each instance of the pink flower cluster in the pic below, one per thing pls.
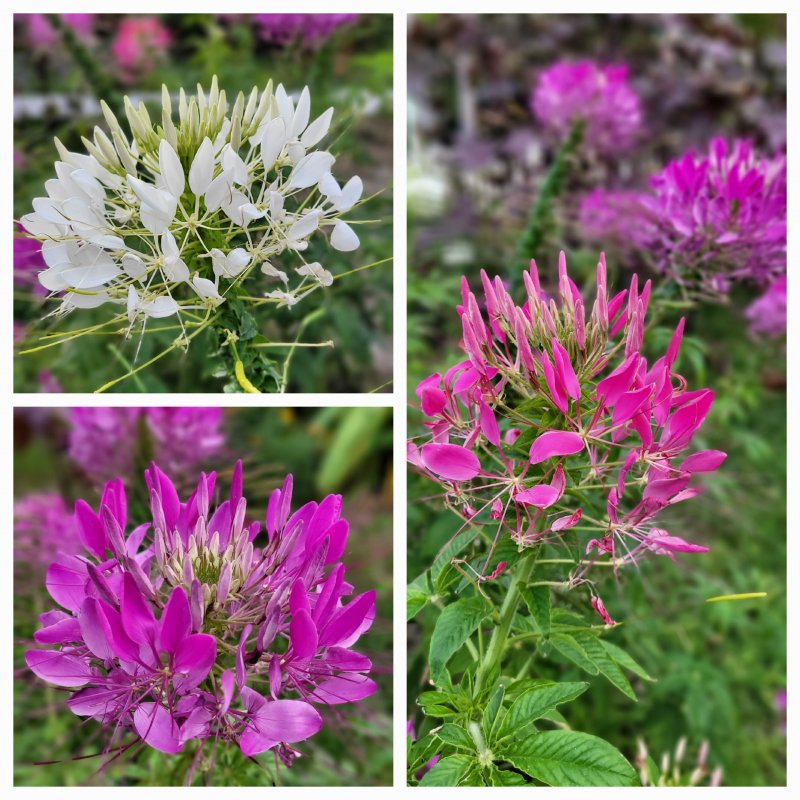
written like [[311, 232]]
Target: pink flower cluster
[[43, 526], [105, 441], [767, 314], [139, 44], [42, 35], [185, 629], [556, 421], [721, 216], [600, 96], [311, 29]]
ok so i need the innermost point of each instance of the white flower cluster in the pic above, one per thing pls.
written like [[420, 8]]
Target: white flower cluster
[[168, 220]]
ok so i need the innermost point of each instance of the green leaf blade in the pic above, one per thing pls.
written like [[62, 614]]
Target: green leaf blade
[[455, 625]]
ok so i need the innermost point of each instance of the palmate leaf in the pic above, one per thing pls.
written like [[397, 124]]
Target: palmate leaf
[[455, 625], [570, 758]]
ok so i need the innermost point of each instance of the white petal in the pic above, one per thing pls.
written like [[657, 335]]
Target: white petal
[[237, 260], [296, 153], [272, 141], [171, 169], [37, 225], [205, 288], [351, 194], [317, 129], [52, 279], [305, 226], [159, 307], [202, 169], [169, 247], [133, 266], [133, 301], [328, 186], [285, 106], [72, 300], [344, 237], [301, 114], [232, 164], [55, 253], [176, 270], [218, 192], [311, 169], [276, 205], [47, 210]]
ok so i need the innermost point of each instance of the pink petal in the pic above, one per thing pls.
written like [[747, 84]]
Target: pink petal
[[347, 620], [703, 461], [337, 540], [66, 585], [65, 630], [156, 726], [58, 668], [488, 423], [348, 688], [570, 521], [555, 443], [90, 529], [451, 462], [303, 635], [176, 621], [193, 660], [137, 616], [278, 721], [540, 496]]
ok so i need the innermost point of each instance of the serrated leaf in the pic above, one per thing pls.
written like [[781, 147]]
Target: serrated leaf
[[455, 625], [492, 714], [537, 598], [625, 660], [566, 644], [438, 711], [448, 772], [535, 703], [422, 751], [607, 666], [456, 736], [571, 758], [505, 777], [416, 600]]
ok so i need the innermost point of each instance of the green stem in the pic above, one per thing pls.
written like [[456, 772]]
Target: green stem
[[499, 638]]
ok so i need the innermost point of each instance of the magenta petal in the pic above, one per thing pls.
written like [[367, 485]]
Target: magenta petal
[[451, 462], [564, 523], [337, 540], [65, 630], [704, 461], [137, 616], [228, 685], [540, 496], [93, 630], [123, 646], [94, 702], [279, 721], [193, 660], [176, 621], [489, 427], [58, 668], [156, 726], [348, 688], [66, 585], [347, 620], [303, 635], [661, 541], [555, 443], [90, 529]]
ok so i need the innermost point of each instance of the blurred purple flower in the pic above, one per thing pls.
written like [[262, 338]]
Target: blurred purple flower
[[767, 314], [42, 35], [48, 383], [111, 441], [617, 216], [146, 616], [139, 44], [598, 95], [311, 29], [28, 263], [721, 217], [43, 527]]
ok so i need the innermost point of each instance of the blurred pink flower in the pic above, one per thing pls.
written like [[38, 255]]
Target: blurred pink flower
[[28, 263], [139, 44], [767, 314], [42, 35], [598, 95], [310, 29], [43, 527], [616, 216]]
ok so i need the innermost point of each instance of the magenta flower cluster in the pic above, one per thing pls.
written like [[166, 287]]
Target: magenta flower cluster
[[556, 421], [43, 526], [106, 441], [766, 315], [598, 96], [310, 29], [186, 630]]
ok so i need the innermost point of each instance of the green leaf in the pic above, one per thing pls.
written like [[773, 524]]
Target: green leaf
[[456, 736], [416, 599], [535, 703], [448, 772], [505, 777], [492, 715], [422, 751], [625, 660], [597, 653], [569, 647], [570, 758], [537, 598], [455, 625]]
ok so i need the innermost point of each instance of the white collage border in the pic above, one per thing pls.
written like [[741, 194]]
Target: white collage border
[[401, 9]]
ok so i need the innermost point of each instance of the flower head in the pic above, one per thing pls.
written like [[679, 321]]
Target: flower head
[[767, 314], [309, 29], [194, 627], [170, 221], [43, 527], [41, 34], [140, 42], [556, 418], [720, 217], [596, 95]]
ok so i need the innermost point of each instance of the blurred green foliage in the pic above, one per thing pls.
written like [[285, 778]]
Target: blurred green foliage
[[343, 450], [352, 70], [717, 666]]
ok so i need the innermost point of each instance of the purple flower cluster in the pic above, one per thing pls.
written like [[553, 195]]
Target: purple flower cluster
[[108, 441], [43, 526], [185, 630], [600, 96], [42, 35], [767, 314], [310, 29], [28, 263], [720, 217]]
